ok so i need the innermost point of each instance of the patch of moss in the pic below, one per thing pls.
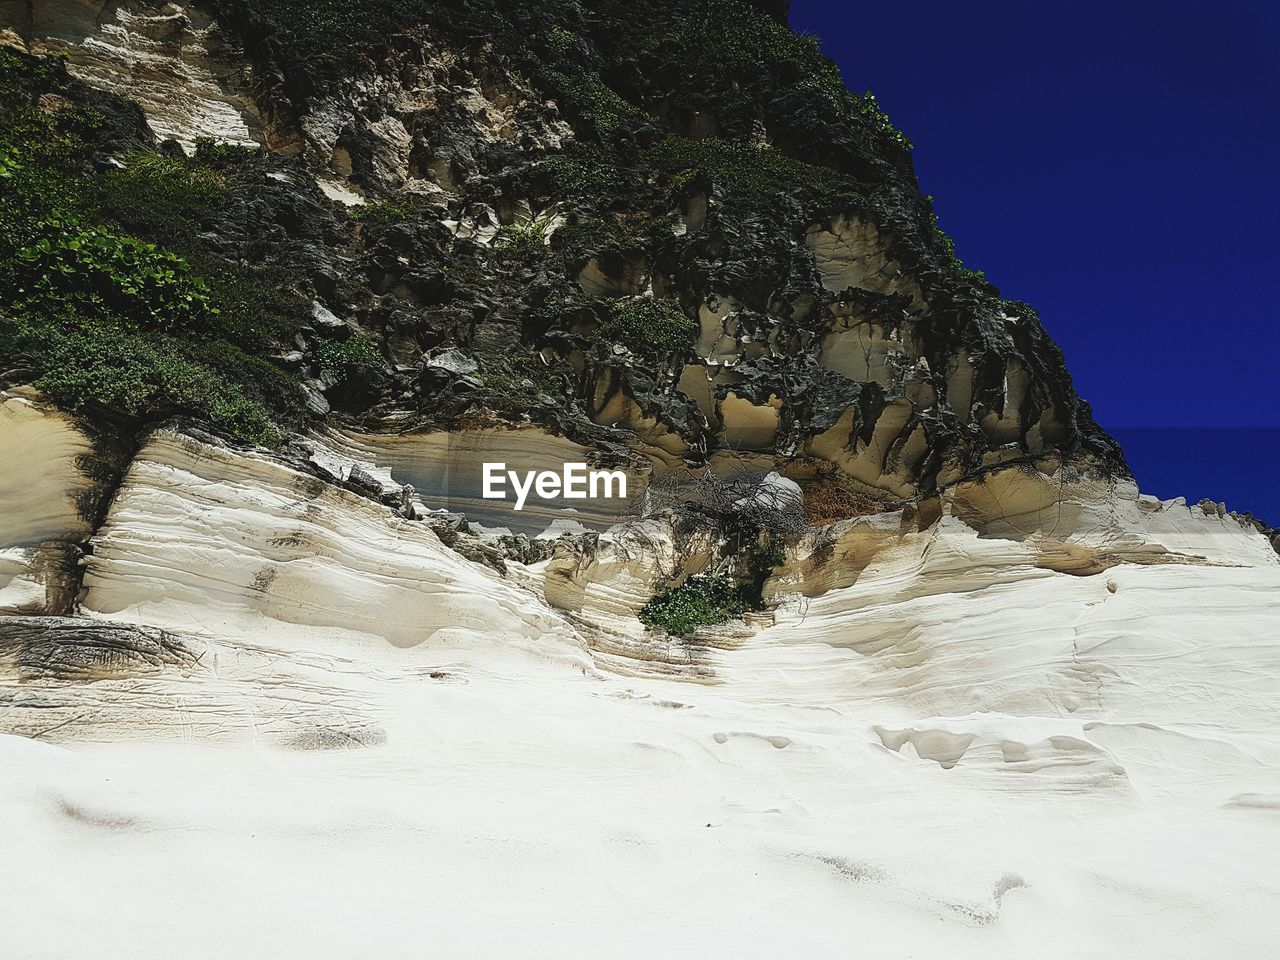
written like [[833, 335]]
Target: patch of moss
[[649, 327], [519, 383], [703, 600]]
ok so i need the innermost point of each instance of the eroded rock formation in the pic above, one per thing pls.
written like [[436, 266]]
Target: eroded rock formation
[[280, 277]]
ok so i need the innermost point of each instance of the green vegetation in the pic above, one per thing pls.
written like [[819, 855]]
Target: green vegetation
[[704, 600], [741, 172], [83, 365], [569, 71], [869, 107], [596, 101], [347, 359], [953, 266], [743, 37], [649, 327], [739, 34], [523, 382], [383, 213], [105, 275], [225, 156], [101, 301], [15, 67], [582, 170], [525, 238], [332, 28], [160, 195]]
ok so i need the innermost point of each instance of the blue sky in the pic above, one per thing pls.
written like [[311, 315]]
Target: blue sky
[[1115, 165]]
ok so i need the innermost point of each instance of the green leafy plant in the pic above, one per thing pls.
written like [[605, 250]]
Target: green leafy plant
[[952, 265], [220, 155], [525, 238], [581, 171], [93, 311], [585, 92], [347, 359], [103, 272], [704, 600]]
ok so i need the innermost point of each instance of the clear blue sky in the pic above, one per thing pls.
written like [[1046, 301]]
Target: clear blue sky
[[1115, 164]]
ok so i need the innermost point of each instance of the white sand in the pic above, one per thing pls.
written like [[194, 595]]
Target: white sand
[[950, 752]]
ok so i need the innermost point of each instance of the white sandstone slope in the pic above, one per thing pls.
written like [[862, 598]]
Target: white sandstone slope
[[1039, 719], [41, 485]]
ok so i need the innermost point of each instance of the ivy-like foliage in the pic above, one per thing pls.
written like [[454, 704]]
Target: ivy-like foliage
[[704, 600], [572, 76], [951, 262], [104, 274]]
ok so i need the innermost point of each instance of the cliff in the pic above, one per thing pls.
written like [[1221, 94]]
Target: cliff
[[883, 620]]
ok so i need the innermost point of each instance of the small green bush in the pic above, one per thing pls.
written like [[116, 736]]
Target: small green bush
[[704, 600], [522, 382], [382, 213], [581, 171], [346, 359], [649, 327], [221, 156], [525, 239], [80, 365]]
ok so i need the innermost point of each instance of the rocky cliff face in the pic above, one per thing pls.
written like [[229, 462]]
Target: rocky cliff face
[[669, 231], [278, 277]]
